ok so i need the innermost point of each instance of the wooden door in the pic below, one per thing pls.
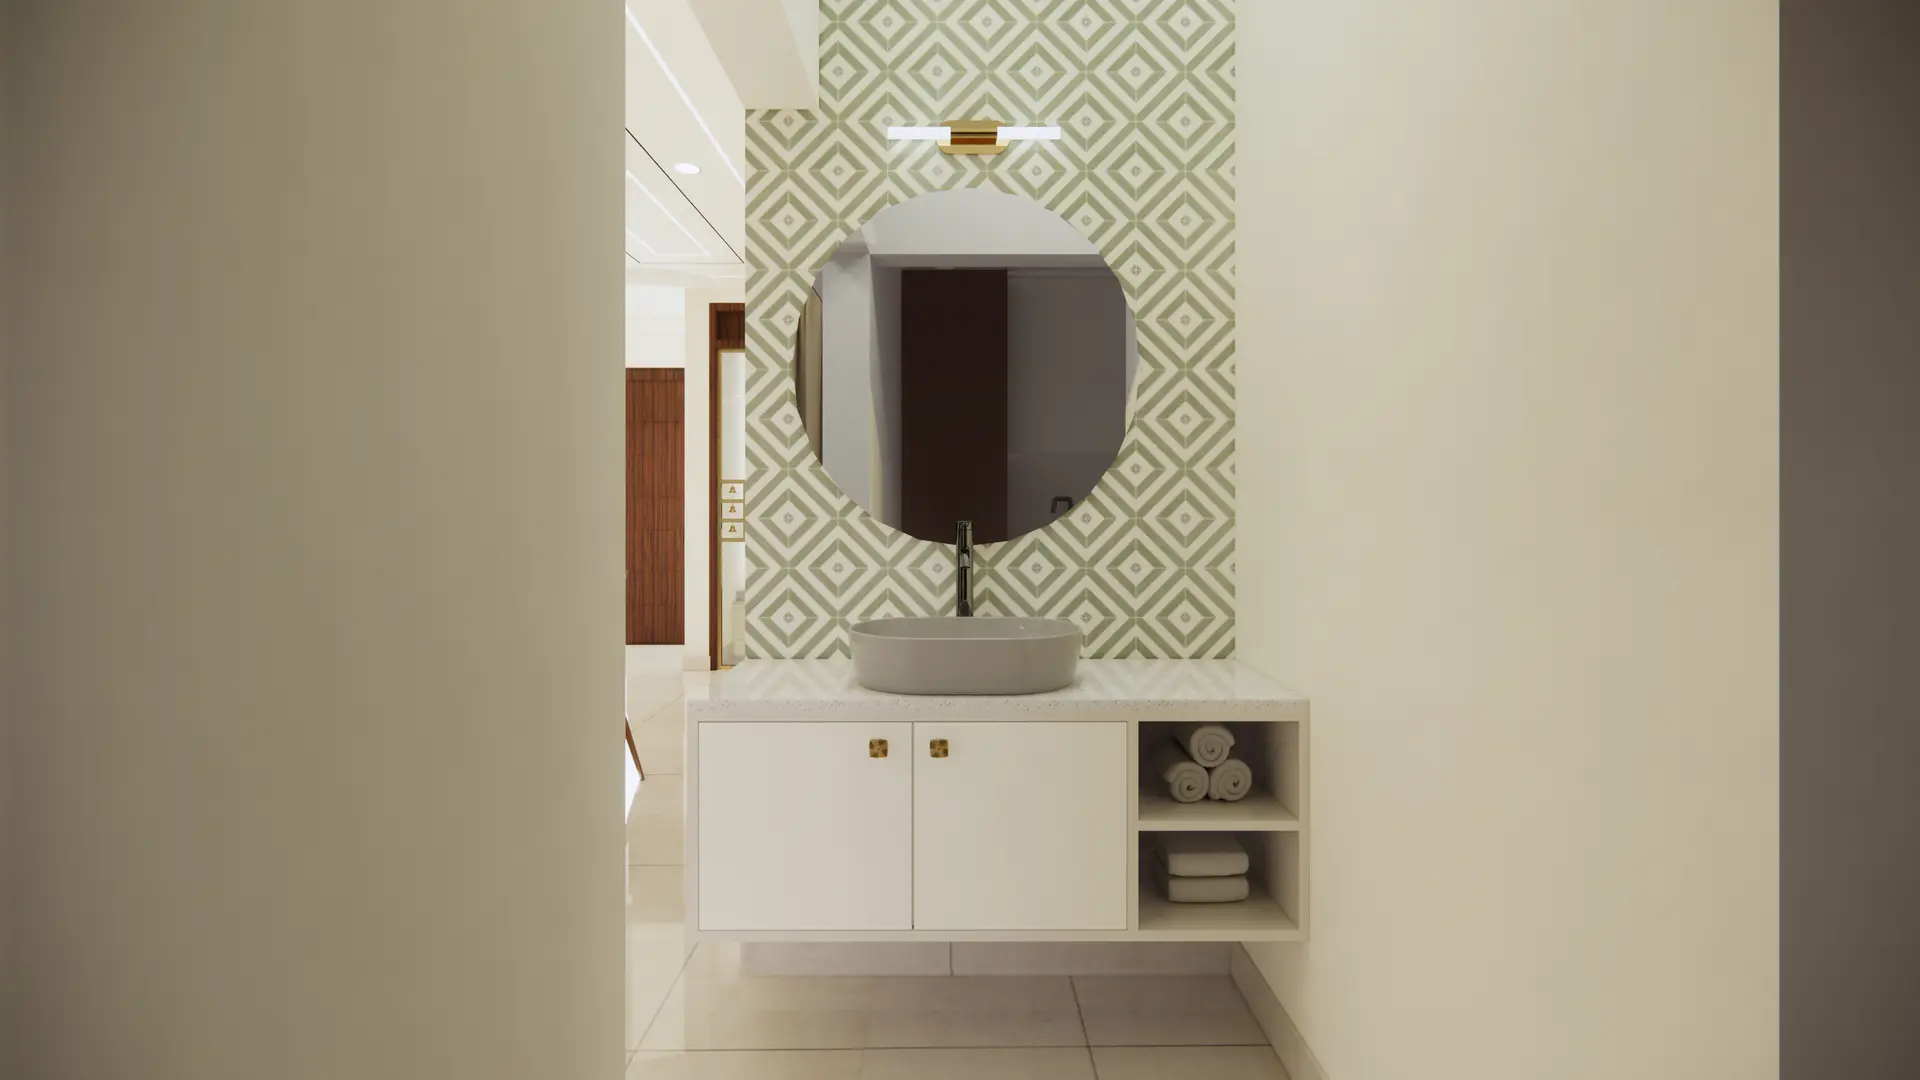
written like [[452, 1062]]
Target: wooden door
[[806, 826], [1020, 826], [953, 403], [656, 506]]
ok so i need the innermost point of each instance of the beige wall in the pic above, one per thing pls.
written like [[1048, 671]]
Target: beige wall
[[319, 542], [656, 324], [1510, 370]]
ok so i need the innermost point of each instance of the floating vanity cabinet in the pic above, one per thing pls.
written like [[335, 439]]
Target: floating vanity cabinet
[[821, 811], [806, 826], [1020, 825]]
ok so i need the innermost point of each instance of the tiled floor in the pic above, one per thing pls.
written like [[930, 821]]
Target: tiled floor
[[692, 1014]]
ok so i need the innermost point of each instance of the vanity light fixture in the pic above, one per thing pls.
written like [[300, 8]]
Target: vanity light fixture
[[972, 136], [928, 134]]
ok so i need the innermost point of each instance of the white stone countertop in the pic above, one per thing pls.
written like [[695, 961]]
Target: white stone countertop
[[1136, 689]]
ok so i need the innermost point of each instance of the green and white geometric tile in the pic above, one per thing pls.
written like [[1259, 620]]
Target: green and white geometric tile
[[1144, 93]]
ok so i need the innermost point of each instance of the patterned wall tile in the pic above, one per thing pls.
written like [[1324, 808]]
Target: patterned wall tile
[[1145, 170]]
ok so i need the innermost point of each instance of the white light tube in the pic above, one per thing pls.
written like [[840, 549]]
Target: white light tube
[[1010, 134]]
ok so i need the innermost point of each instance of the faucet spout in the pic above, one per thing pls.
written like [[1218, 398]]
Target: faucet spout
[[963, 568]]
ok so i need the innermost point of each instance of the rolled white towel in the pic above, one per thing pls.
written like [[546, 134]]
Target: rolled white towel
[[1203, 890], [1229, 781], [1186, 781], [1200, 854], [1206, 744]]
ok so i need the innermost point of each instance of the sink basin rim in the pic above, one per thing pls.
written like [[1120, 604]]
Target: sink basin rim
[[943, 656], [985, 628]]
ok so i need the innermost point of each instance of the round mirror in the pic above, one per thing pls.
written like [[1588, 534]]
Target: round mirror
[[965, 355]]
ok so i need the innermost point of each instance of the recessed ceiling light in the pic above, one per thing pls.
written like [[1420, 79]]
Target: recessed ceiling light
[[685, 168], [684, 98]]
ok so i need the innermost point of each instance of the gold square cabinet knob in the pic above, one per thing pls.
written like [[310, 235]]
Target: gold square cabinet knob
[[876, 748], [937, 748]]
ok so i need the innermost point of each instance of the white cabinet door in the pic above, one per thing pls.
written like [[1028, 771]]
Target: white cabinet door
[[802, 827], [1020, 826]]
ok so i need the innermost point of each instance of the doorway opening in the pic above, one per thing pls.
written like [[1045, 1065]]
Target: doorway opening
[[727, 428]]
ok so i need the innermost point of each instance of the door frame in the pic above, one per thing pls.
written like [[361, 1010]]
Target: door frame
[[726, 332]]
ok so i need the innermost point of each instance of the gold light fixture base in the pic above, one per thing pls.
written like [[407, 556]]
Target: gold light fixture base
[[972, 137]]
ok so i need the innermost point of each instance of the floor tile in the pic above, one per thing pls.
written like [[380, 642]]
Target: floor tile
[[715, 1007], [657, 947], [656, 824], [1031, 1063], [791, 959], [689, 1021], [1166, 1011], [661, 739], [655, 661], [652, 968], [657, 944], [657, 898], [672, 702], [1185, 1062], [745, 1065], [654, 678], [1091, 958], [646, 697], [956, 1012]]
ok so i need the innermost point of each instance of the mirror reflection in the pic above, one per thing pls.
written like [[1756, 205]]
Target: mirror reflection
[[965, 356]]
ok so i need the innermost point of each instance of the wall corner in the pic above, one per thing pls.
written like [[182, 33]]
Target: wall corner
[[1288, 1044]]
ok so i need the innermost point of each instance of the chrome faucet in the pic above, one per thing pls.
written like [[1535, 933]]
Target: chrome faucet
[[963, 567]]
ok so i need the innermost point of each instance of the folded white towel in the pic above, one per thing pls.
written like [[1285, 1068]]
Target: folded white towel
[[1186, 781], [1229, 781], [1200, 854], [1203, 890], [1207, 744]]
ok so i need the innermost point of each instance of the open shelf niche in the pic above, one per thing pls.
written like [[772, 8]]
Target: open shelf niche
[[1270, 823]]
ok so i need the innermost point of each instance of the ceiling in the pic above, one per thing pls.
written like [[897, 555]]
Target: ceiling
[[683, 228]]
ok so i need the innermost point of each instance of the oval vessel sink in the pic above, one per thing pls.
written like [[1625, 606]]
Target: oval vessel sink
[[965, 656]]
